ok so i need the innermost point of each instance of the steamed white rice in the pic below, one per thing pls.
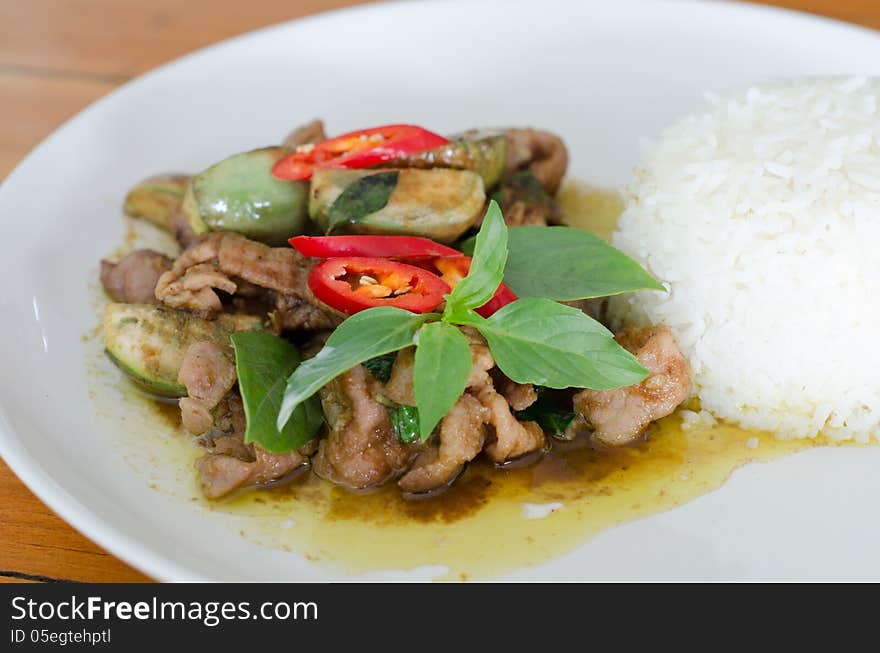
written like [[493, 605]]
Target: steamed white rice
[[762, 215]]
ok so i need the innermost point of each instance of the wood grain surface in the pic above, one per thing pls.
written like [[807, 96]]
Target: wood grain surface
[[58, 56]]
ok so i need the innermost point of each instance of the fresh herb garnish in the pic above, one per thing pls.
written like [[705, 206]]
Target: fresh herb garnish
[[380, 366], [363, 336], [548, 412], [365, 196], [440, 374], [566, 264], [546, 343], [487, 268], [533, 340], [262, 363], [405, 423]]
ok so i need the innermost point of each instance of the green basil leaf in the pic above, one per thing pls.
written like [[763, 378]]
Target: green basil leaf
[[365, 196], [542, 342], [262, 363], [466, 246], [405, 423], [548, 412], [440, 373], [363, 336], [487, 266], [380, 366], [564, 264]]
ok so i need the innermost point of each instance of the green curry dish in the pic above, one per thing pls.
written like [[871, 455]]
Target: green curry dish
[[240, 194], [440, 204]]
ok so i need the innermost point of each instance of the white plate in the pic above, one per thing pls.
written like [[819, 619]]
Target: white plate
[[602, 75]]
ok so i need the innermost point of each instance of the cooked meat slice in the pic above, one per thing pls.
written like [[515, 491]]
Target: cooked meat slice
[[525, 202], [311, 132], [541, 152], [519, 213], [461, 439], [619, 416], [400, 388], [232, 464], [221, 473], [192, 280], [281, 269], [291, 312], [519, 395], [512, 438], [226, 261], [360, 450], [208, 373], [133, 279]]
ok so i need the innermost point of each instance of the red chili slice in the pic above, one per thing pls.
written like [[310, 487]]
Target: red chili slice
[[396, 247], [358, 149], [453, 270], [354, 284]]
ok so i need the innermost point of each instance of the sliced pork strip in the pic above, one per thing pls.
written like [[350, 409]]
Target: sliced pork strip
[[222, 473], [208, 373], [133, 279], [620, 416], [461, 439], [519, 395], [512, 438], [224, 261], [360, 450], [541, 152]]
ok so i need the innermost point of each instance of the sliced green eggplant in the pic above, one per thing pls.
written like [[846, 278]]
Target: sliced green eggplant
[[439, 203], [156, 199], [481, 151], [149, 342], [240, 194]]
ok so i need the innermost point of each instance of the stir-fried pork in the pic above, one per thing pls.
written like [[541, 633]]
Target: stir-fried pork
[[520, 396], [619, 416], [541, 152], [231, 464], [512, 437], [461, 439], [525, 202], [208, 373], [133, 279], [360, 449], [463, 431], [223, 259], [221, 473]]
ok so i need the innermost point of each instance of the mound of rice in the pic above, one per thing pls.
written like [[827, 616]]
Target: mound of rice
[[763, 216]]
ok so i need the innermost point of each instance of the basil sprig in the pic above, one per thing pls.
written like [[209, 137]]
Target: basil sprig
[[363, 336], [533, 340], [566, 264], [487, 268], [262, 363]]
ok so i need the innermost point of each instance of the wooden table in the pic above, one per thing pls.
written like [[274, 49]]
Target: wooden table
[[56, 57]]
